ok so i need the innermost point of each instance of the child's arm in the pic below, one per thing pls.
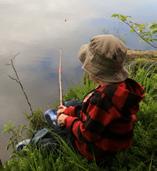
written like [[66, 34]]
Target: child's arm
[[70, 111]]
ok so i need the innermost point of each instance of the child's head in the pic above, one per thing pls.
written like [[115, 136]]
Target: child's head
[[104, 58]]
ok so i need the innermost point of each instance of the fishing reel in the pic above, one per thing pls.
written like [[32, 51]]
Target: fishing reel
[[51, 116]]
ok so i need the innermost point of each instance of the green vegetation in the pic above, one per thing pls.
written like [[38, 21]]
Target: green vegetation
[[147, 32], [141, 157]]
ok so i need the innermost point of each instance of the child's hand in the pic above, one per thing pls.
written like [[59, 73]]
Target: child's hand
[[62, 107], [61, 119], [70, 110], [60, 111]]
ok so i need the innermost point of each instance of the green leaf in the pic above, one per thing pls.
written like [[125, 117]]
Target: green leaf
[[121, 17], [154, 40], [132, 30], [8, 127], [153, 26], [154, 31], [115, 15], [141, 27]]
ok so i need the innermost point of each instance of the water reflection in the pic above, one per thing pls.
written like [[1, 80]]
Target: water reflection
[[38, 30]]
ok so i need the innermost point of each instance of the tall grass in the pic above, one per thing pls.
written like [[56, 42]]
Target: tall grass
[[78, 92], [34, 159], [141, 157]]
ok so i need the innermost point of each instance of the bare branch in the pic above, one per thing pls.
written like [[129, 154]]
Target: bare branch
[[15, 55], [17, 79], [12, 78]]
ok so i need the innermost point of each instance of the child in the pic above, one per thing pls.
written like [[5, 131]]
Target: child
[[108, 113]]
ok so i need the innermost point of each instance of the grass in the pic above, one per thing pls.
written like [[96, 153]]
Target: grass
[[141, 157]]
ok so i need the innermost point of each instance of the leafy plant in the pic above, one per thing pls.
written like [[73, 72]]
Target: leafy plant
[[16, 134], [147, 32], [36, 120]]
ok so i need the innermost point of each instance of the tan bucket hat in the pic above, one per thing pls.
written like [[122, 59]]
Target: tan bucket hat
[[104, 58]]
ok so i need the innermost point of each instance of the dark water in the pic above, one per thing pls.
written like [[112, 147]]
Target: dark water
[[38, 30]]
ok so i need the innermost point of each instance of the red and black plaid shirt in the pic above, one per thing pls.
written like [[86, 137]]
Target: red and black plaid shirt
[[106, 119]]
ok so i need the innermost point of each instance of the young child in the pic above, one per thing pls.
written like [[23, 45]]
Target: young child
[[108, 113]]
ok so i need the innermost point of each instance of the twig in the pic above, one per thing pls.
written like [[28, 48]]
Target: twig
[[12, 78], [17, 79]]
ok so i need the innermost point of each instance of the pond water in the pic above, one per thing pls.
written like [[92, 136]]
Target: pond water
[[37, 30]]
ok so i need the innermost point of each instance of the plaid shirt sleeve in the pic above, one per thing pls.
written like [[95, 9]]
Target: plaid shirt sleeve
[[70, 110]]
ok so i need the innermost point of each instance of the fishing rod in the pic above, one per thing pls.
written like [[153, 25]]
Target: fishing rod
[[50, 114], [60, 78]]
